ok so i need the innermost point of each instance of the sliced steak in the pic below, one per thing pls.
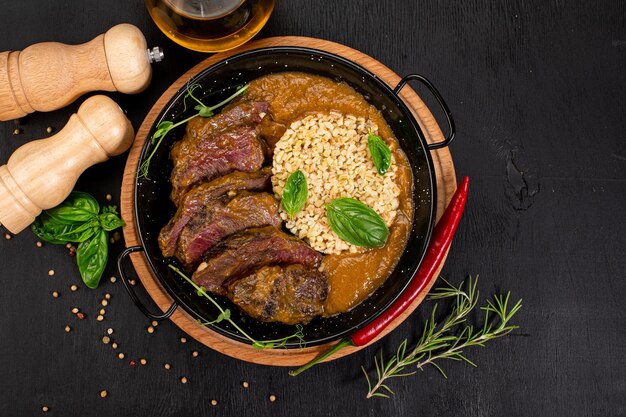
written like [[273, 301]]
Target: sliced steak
[[291, 294], [251, 249], [201, 196], [222, 218], [216, 146]]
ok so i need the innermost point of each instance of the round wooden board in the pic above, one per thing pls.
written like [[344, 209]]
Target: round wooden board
[[446, 184]]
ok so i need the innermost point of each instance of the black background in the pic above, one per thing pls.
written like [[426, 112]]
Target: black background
[[537, 88]]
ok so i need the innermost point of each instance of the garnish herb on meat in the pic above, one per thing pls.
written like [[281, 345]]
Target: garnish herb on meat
[[225, 315], [79, 220], [165, 126]]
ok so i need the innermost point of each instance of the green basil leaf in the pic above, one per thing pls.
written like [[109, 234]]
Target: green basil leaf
[[110, 221], [381, 154], [78, 207], [91, 257], [49, 230], [80, 233], [356, 223], [295, 193]]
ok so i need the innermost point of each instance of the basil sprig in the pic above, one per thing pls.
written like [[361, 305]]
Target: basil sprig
[[356, 223], [79, 219], [381, 154], [295, 193]]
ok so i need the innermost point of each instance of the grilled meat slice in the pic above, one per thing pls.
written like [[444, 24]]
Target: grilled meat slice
[[201, 196], [291, 294], [216, 146], [222, 218], [246, 251]]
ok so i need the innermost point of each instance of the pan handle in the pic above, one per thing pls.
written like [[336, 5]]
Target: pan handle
[[442, 103], [131, 292]]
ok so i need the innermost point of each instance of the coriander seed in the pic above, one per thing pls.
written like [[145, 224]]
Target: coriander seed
[[194, 354], [110, 330], [213, 403], [150, 329], [143, 361], [272, 398], [49, 129], [17, 131], [102, 311], [100, 317], [109, 197], [68, 329], [55, 294], [74, 310], [114, 345], [167, 366], [113, 279], [44, 409], [106, 340], [245, 384], [183, 340], [104, 303], [107, 296], [183, 380], [103, 393], [39, 244], [155, 323], [120, 355], [74, 288]]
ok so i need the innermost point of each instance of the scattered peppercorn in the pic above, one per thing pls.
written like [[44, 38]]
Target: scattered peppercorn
[[143, 361], [39, 244], [74, 288], [167, 366], [150, 329], [272, 398], [245, 384], [132, 282], [68, 246], [132, 363], [55, 294], [110, 330], [213, 403], [183, 340], [194, 354], [120, 355], [183, 380], [80, 315], [67, 329], [49, 129], [103, 393], [106, 340]]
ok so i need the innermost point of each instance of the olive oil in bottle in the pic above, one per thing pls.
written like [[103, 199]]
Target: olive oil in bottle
[[210, 25]]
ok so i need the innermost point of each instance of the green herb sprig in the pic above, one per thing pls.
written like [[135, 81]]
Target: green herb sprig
[[445, 341], [356, 223], [78, 219], [295, 193], [225, 315], [381, 154], [165, 126]]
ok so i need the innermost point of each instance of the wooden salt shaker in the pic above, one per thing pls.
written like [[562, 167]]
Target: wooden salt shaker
[[50, 75], [42, 173]]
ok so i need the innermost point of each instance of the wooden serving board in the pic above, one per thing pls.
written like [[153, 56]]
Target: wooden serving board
[[446, 184]]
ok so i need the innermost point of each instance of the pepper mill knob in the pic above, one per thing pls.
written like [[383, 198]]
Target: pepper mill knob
[[42, 173], [50, 75]]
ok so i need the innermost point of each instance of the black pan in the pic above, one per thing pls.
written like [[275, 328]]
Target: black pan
[[153, 207]]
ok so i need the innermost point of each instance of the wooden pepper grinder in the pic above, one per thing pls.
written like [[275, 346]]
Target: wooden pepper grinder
[[42, 173], [50, 75]]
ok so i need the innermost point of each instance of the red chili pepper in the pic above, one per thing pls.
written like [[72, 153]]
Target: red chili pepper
[[439, 244]]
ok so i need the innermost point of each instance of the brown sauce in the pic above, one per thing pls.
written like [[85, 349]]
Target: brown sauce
[[291, 96]]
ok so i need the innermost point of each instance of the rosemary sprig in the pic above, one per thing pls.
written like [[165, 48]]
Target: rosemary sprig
[[225, 315], [165, 126], [445, 341]]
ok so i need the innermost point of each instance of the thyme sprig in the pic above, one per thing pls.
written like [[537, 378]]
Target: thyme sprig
[[445, 341], [225, 315], [165, 126]]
